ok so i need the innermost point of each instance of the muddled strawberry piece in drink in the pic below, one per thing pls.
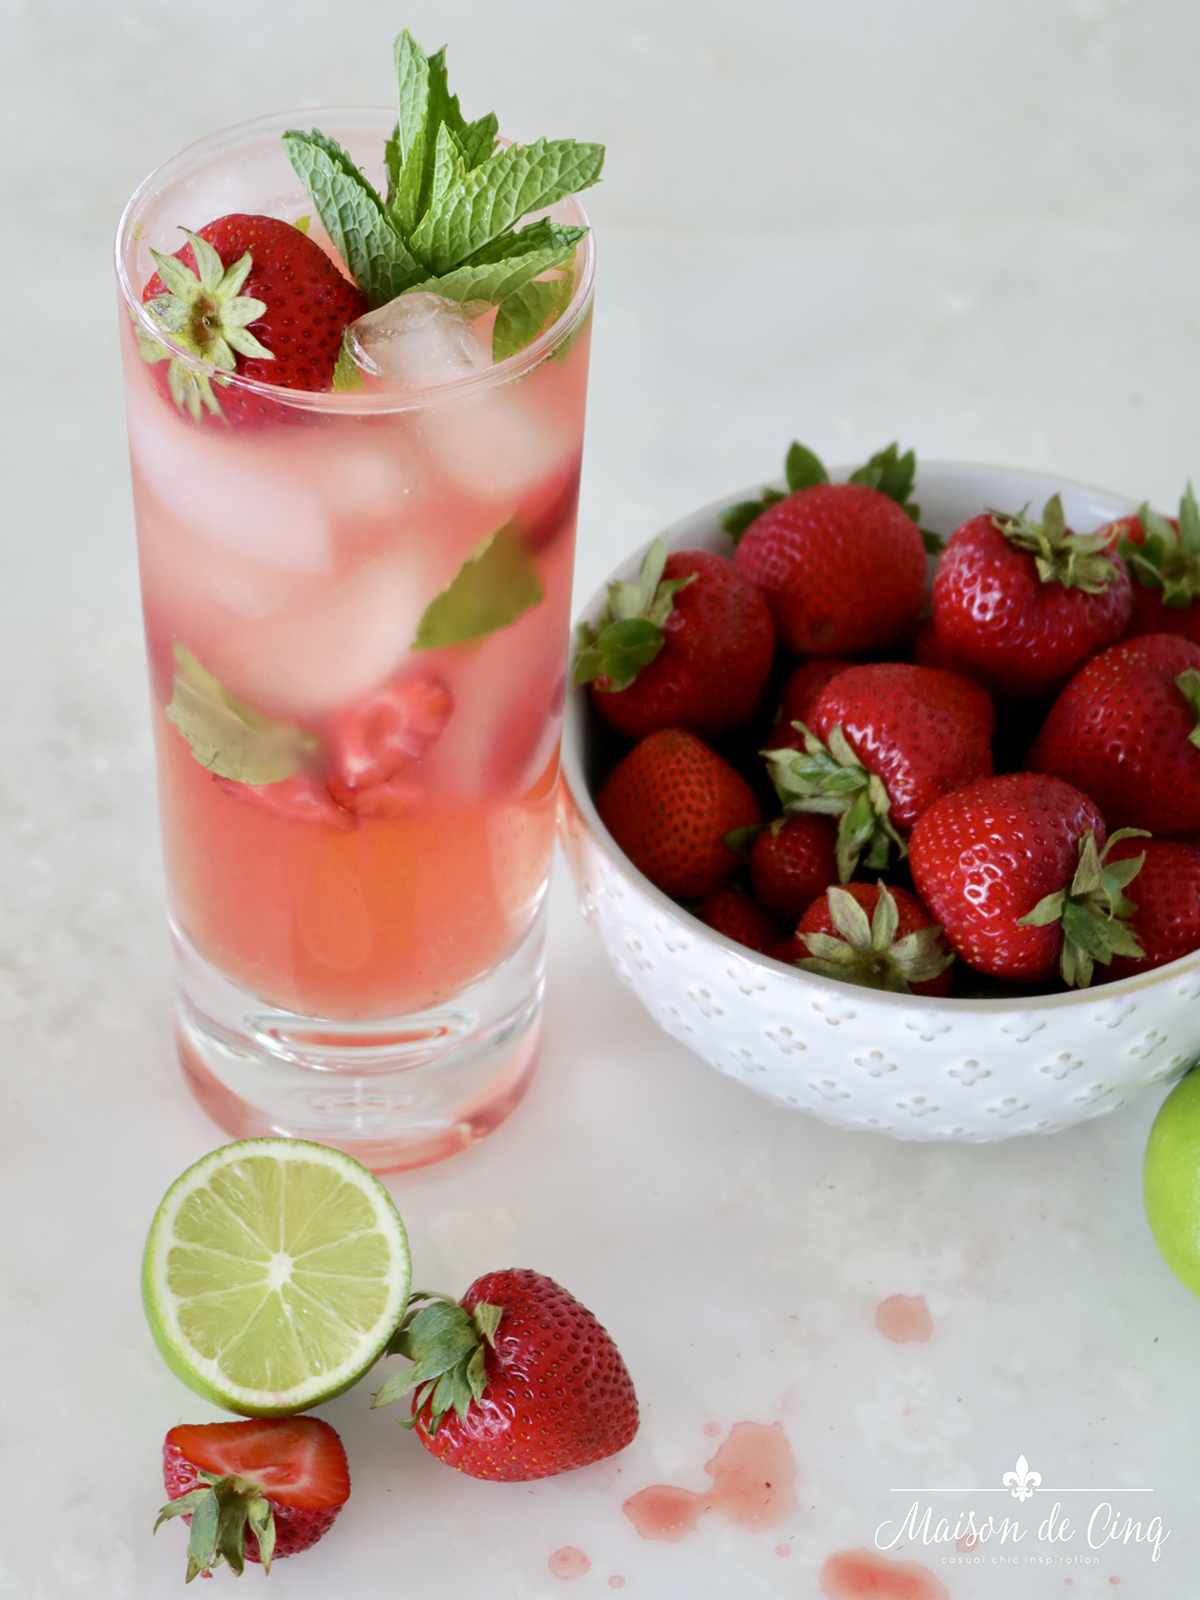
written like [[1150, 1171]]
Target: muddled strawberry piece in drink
[[298, 799], [377, 737]]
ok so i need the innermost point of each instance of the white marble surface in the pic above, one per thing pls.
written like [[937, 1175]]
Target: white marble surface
[[970, 225]]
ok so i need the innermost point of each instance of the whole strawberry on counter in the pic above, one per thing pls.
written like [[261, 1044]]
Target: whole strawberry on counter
[[253, 1491], [689, 646], [1017, 872], [669, 805], [1163, 557], [1166, 915], [843, 565], [1022, 605], [1126, 730], [877, 937], [886, 741], [255, 296], [516, 1381]]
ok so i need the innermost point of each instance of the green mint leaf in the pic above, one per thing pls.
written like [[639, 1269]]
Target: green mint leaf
[[540, 235], [803, 469], [478, 140], [302, 224], [355, 217], [507, 186], [449, 167], [491, 282], [229, 738], [526, 312], [496, 584], [345, 373], [412, 79]]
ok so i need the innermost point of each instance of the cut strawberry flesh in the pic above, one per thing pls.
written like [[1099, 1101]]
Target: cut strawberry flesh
[[296, 1461], [298, 799], [377, 737]]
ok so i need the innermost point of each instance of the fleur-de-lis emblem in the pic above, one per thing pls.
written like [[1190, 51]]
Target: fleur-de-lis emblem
[[1022, 1482]]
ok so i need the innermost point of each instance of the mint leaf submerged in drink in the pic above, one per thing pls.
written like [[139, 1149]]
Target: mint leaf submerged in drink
[[447, 224], [497, 584], [227, 737]]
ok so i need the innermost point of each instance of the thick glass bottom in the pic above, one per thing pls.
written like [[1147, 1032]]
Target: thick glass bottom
[[394, 1092]]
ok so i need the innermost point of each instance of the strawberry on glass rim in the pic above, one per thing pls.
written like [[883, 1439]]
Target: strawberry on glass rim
[[515, 1381]]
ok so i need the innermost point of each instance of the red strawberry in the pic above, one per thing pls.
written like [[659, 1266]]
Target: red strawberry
[[1125, 731], [733, 913], [1022, 605], [842, 568], [516, 1381], [302, 798], [896, 738], [255, 296], [669, 804], [1166, 896], [377, 737], [881, 938], [799, 696], [253, 1491], [1013, 869], [1163, 557], [687, 646], [791, 863]]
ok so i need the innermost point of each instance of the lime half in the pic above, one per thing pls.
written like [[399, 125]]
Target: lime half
[[274, 1275]]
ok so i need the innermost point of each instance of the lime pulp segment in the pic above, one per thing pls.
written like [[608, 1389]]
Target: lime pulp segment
[[274, 1274]]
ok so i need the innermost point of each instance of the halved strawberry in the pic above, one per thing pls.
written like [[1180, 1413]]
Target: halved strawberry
[[377, 737], [253, 1491]]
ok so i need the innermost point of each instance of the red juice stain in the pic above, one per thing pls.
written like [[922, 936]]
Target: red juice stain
[[968, 1542], [783, 1549], [904, 1318], [712, 1429], [863, 1575], [753, 1485], [569, 1562], [1114, 1580], [616, 1581]]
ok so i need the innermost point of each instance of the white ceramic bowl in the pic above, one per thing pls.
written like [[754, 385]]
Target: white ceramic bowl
[[862, 1058]]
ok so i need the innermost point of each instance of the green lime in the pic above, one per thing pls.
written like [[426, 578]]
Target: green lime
[[1171, 1180], [274, 1275]]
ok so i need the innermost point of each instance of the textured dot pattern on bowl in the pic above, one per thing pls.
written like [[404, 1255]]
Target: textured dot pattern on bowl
[[974, 1070]]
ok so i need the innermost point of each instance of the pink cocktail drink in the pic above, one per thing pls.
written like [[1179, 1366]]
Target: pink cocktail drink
[[357, 609]]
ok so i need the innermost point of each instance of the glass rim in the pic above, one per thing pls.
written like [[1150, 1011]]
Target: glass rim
[[353, 401]]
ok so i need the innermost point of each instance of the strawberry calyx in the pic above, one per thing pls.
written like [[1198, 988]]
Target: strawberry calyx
[[629, 634], [1188, 684], [888, 471], [867, 952], [830, 780], [221, 1512], [1076, 560], [447, 1345], [1168, 558], [1093, 909], [205, 313]]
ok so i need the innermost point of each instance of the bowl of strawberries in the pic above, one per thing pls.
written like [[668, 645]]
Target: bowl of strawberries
[[882, 790]]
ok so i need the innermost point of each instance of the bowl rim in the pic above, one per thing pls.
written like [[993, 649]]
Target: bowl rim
[[574, 736]]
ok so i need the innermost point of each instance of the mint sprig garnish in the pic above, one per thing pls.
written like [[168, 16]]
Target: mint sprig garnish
[[888, 471], [227, 737], [495, 586], [447, 224]]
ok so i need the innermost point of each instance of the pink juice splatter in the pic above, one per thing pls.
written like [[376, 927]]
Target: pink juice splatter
[[904, 1319], [569, 1562], [863, 1575], [753, 1485]]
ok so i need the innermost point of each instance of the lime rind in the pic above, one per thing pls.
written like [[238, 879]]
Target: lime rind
[[222, 1309]]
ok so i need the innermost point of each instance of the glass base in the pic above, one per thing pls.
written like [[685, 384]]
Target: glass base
[[394, 1092]]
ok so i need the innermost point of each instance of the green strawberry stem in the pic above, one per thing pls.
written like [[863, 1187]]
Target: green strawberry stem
[[446, 1345], [830, 780], [205, 312], [447, 224], [629, 634], [1076, 560], [888, 471], [868, 952], [221, 1512], [1168, 559], [1093, 910], [1188, 684]]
